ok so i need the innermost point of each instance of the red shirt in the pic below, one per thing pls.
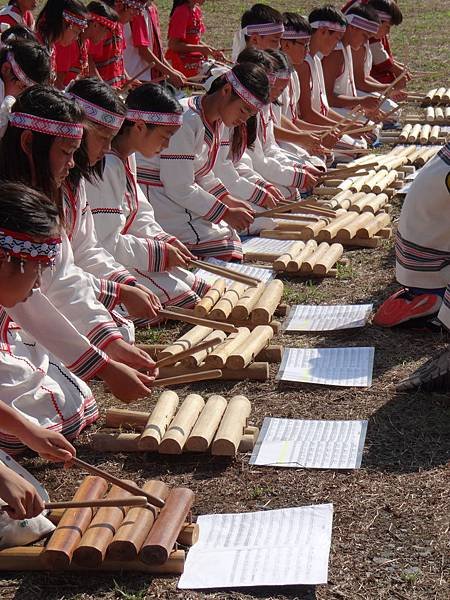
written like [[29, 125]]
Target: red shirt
[[108, 57], [12, 16], [72, 60], [186, 24]]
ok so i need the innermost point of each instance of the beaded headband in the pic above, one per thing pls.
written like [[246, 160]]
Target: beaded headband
[[22, 246], [272, 78], [243, 92], [292, 34], [103, 21], [362, 23], [18, 71], [282, 75], [155, 118], [47, 126], [383, 16], [263, 29], [140, 6], [98, 114], [74, 19], [328, 25]]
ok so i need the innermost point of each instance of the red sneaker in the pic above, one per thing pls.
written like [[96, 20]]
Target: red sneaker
[[404, 306]]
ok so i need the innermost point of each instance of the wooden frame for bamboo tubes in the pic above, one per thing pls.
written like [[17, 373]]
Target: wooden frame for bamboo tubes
[[112, 538], [214, 426]]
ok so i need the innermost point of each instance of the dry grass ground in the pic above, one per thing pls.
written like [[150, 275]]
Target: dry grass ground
[[391, 516]]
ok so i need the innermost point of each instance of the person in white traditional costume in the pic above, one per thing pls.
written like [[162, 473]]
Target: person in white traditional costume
[[362, 23], [23, 63], [124, 218], [190, 201], [48, 391], [328, 25], [423, 267]]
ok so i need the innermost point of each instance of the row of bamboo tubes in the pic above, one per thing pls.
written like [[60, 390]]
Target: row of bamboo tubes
[[196, 426], [437, 113], [238, 303], [418, 133], [439, 95], [141, 538]]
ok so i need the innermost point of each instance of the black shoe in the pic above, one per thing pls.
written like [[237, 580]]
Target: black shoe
[[433, 376]]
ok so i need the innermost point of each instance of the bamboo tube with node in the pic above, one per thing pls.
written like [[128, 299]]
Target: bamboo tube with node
[[377, 223], [434, 134], [310, 262], [207, 424], [234, 421], [404, 134], [384, 183], [178, 431], [218, 357], [191, 338], [268, 302], [330, 231], [425, 134], [414, 134], [222, 310], [295, 264], [429, 114], [281, 263], [259, 338], [247, 302], [368, 186], [195, 360], [210, 299], [160, 541], [66, 537], [329, 259], [350, 230], [136, 526], [158, 421]]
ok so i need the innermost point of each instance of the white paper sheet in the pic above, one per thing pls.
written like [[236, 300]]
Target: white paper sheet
[[310, 444], [289, 546], [328, 366], [261, 273], [266, 246], [327, 318]]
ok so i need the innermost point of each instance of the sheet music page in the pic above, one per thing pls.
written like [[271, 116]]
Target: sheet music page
[[310, 444], [266, 246], [328, 366], [238, 550], [327, 318]]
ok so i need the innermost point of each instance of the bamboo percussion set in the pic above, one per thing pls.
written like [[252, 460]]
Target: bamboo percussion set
[[415, 134], [216, 425], [109, 530]]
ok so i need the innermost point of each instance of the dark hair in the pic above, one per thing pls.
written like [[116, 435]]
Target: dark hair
[[100, 93], [176, 4], [296, 22], [280, 60], [256, 57], [254, 77], [390, 7], [327, 13], [260, 13], [17, 32], [151, 97], [50, 22], [364, 11], [103, 10], [32, 58], [44, 102]]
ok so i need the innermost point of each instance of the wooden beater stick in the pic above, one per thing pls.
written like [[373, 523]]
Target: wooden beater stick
[[188, 378], [174, 315], [225, 272], [171, 360], [129, 487], [116, 502]]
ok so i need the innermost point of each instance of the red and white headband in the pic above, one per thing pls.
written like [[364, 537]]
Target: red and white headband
[[282, 75], [263, 29], [73, 19], [98, 114], [383, 16], [21, 246], [48, 126], [103, 21], [140, 6], [328, 25], [362, 23], [243, 92], [155, 118], [291, 34], [17, 70]]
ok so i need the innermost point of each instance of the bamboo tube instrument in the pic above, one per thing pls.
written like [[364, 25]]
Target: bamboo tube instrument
[[188, 377], [267, 303], [177, 314], [158, 421], [207, 424], [259, 338], [209, 342], [232, 426], [218, 357], [324, 263], [280, 264], [247, 302], [204, 307], [197, 358], [193, 337], [222, 310], [295, 263], [179, 429]]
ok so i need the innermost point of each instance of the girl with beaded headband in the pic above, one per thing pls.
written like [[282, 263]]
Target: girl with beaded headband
[[22, 64], [264, 156], [190, 200], [113, 283], [60, 21], [74, 61], [44, 132], [43, 390], [124, 219], [106, 58], [186, 50], [18, 12]]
